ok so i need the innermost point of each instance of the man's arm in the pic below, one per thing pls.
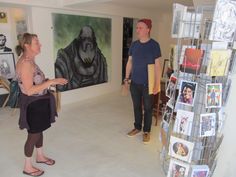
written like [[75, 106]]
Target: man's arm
[[157, 70], [128, 68]]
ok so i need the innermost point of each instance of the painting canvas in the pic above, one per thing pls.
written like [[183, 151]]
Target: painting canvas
[[187, 92], [82, 50], [219, 62], [178, 169], [7, 65], [224, 21], [199, 171], [183, 122], [207, 124], [213, 95], [192, 60], [181, 149]]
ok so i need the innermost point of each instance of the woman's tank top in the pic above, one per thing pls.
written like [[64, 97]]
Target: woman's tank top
[[38, 78]]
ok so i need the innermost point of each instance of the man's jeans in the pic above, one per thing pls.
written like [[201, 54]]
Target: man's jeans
[[142, 100]]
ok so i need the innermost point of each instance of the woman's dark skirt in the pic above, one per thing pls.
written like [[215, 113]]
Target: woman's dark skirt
[[38, 115]]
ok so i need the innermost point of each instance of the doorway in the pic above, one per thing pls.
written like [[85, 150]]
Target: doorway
[[127, 40]]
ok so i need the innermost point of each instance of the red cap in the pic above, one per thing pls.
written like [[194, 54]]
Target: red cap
[[148, 22]]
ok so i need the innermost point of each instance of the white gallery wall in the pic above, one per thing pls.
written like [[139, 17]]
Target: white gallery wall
[[41, 23]]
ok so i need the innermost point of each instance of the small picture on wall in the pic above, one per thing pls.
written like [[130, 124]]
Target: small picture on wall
[[3, 17], [187, 92], [181, 149], [178, 169], [213, 95], [3, 43], [7, 65]]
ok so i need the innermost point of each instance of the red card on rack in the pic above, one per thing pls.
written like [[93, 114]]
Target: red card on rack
[[192, 61]]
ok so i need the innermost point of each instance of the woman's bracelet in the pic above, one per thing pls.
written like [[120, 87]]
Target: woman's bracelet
[[126, 80]]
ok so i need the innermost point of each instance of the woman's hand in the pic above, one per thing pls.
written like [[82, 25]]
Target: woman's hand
[[58, 81]]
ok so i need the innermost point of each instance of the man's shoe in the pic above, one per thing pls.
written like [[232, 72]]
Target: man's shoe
[[146, 137], [133, 132]]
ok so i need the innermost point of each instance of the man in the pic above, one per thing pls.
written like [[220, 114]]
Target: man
[[81, 62], [142, 52], [3, 41]]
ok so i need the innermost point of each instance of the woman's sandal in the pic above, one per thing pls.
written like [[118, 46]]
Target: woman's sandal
[[47, 162], [34, 173]]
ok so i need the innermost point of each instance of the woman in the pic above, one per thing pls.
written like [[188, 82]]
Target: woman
[[37, 104]]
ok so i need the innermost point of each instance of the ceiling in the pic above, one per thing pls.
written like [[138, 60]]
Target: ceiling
[[156, 5], [141, 4]]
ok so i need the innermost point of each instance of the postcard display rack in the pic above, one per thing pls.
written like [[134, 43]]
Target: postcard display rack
[[193, 118]]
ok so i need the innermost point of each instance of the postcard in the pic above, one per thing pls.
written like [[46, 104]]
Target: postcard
[[183, 122], [191, 25], [187, 92], [178, 169], [178, 13], [207, 124], [219, 45], [224, 21], [192, 61], [167, 114], [181, 149], [199, 171], [205, 61], [171, 86], [213, 95], [219, 62]]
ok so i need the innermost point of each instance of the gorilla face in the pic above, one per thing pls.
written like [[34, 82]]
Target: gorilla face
[[87, 45]]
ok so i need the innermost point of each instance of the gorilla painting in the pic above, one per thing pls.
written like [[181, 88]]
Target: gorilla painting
[[81, 62]]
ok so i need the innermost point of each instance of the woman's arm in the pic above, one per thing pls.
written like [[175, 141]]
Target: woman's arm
[[27, 74]]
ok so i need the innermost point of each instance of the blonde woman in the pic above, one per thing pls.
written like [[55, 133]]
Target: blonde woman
[[37, 104]]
